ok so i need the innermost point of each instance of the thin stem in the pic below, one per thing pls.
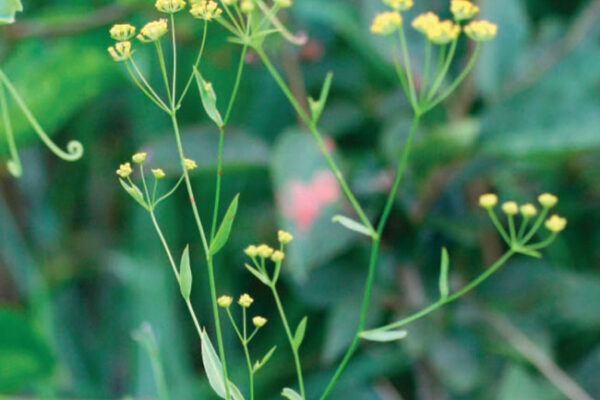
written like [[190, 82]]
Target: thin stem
[[406, 57], [399, 69], [544, 243], [440, 77], [235, 327], [14, 165], [291, 340], [425, 80], [146, 88], [523, 227], [511, 228], [537, 225], [250, 369], [473, 284], [498, 226], [74, 148], [170, 192], [174, 50], [163, 69], [317, 135], [196, 65]]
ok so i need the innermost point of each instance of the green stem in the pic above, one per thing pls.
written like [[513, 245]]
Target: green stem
[[174, 44], [250, 370], [440, 78], [196, 64], [317, 135], [74, 148], [425, 80], [409, 76], [14, 165], [523, 227], [135, 73], [511, 228], [373, 259], [537, 225], [291, 340], [209, 260], [473, 284], [499, 226], [163, 69]]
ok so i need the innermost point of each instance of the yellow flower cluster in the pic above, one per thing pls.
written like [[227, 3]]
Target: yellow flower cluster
[[400, 5], [386, 23], [170, 6], [124, 170], [481, 31], [206, 10], [122, 32], [425, 21], [463, 9], [548, 200], [224, 301], [259, 321], [153, 30], [190, 164], [120, 51], [247, 6], [488, 200], [556, 223], [245, 300], [443, 32], [510, 208], [284, 237], [528, 210], [139, 158], [284, 3]]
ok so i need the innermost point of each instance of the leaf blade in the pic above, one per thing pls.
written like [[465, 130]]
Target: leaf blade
[[8, 9], [300, 332], [185, 274], [291, 394], [384, 336], [444, 266], [352, 225], [214, 370], [225, 229], [209, 99]]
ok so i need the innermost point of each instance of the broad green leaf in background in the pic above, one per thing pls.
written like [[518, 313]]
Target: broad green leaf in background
[[518, 383], [25, 357], [8, 9], [225, 229], [384, 336], [145, 337], [185, 274], [214, 370], [291, 394]]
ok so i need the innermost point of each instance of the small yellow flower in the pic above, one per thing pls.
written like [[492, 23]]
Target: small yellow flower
[[259, 321], [463, 9], [510, 208], [206, 10], [481, 31], [224, 301], [124, 170], [247, 6], [139, 158], [278, 256], [528, 210], [548, 200], [120, 51], [425, 22], [284, 3], [443, 32], [399, 5], [153, 30], [488, 200], [170, 6], [284, 237], [251, 251], [245, 300], [122, 32], [190, 164], [158, 173], [386, 23], [556, 223], [264, 251]]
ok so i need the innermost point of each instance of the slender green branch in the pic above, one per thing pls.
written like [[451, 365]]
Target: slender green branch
[[170, 192], [14, 165], [536, 226], [409, 76], [425, 80], [499, 226], [446, 66], [196, 65], [163, 69], [174, 50], [146, 88]]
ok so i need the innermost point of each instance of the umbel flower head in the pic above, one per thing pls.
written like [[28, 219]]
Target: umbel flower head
[[251, 251], [158, 173], [139, 158], [386, 23], [425, 22], [481, 31], [510, 208], [443, 32], [264, 251], [190, 164], [528, 210], [463, 9], [120, 51], [153, 30], [124, 170], [170, 6], [488, 200], [284, 237], [224, 301], [284, 3], [247, 6], [400, 5], [245, 300], [556, 223], [278, 256], [548, 200], [205, 9], [259, 321], [122, 32]]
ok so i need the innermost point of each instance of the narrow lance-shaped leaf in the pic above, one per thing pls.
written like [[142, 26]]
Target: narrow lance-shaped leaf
[[8, 9], [259, 364], [209, 99], [444, 265], [300, 331], [317, 106], [134, 192], [384, 336], [214, 370], [225, 229], [291, 394], [257, 274], [352, 225], [185, 274]]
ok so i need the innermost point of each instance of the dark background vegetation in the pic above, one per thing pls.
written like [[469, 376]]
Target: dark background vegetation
[[81, 268]]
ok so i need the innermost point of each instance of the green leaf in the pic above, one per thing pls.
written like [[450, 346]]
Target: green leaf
[[259, 364], [209, 99], [384, 336], [352, 225], [185, 274], [444, 274], [134, 192], [8, 9], [291, 394], [317, 106], [225, 229], [257, 274], [300, 331], [214, 370], [145, 337]]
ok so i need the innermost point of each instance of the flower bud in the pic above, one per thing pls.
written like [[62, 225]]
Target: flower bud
[[510, 208], [399, 5], [170, 6], [259, 321], [224, 301], [556, 223], [528, 210], [153, 30], [206, 10], [122, 32], [278, 256], [284, 237], [251, 251], [124, 170], [481, 31], [245, 300], [386, 23], [548, 200], [247, 6], [139, 158], [425, 22], [120, 51], [264, 251], [190, 164], [443, 32], [158, 173], [463, 10], [488, 200]]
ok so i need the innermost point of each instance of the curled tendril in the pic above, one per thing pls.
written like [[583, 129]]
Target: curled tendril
[[74, 148], [299, 39]]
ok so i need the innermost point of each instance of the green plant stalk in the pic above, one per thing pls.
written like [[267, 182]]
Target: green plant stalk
[[373, 259], [523, 227], [499, 226], [446, 66], [536, 226], [425, 81], [411, 85], [317, 135], [288, 332], [14, 165], [473, 284], [247, 354], [196, 64]]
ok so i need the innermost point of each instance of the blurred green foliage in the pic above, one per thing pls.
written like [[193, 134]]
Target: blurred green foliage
[[80, 267]]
